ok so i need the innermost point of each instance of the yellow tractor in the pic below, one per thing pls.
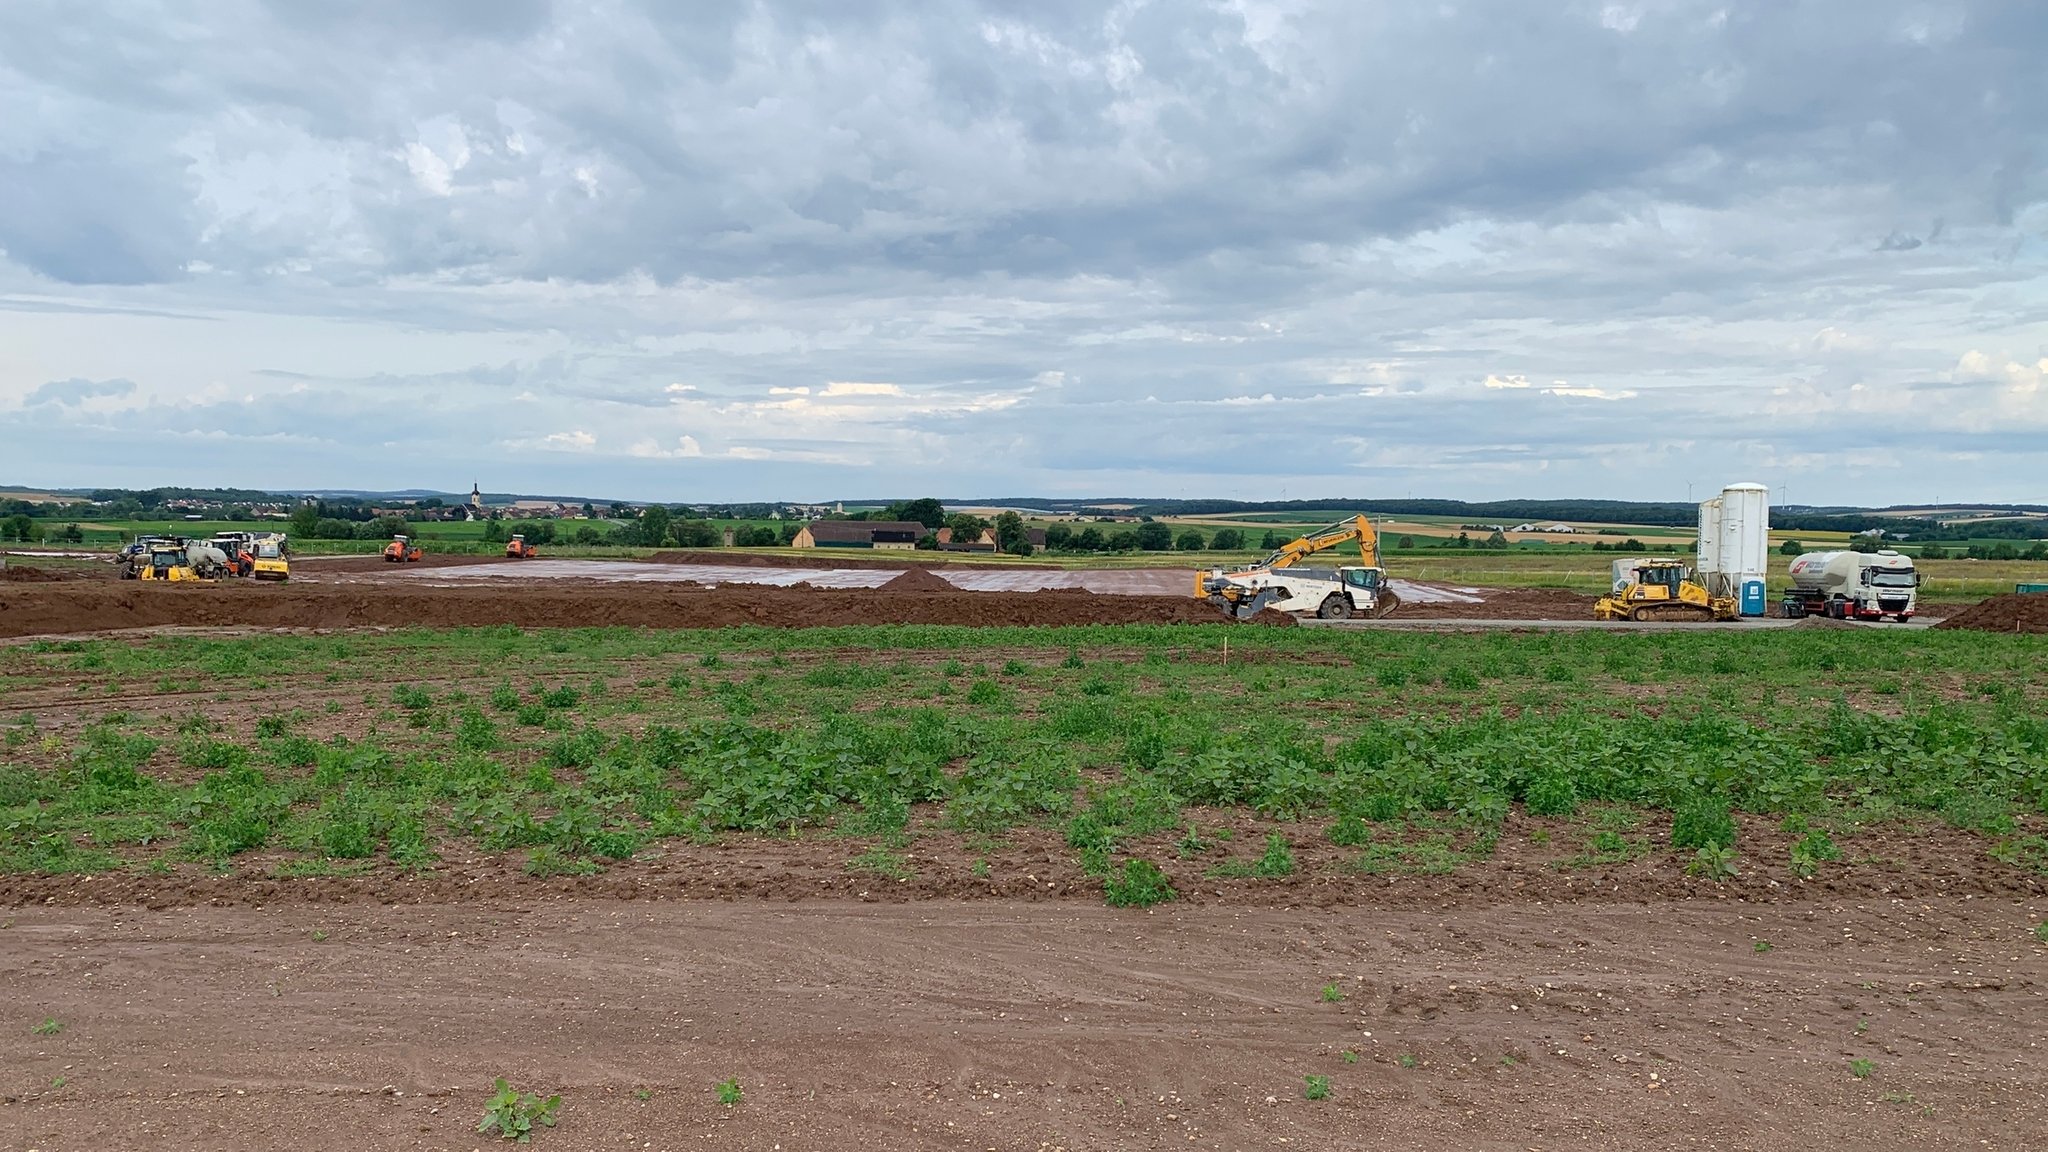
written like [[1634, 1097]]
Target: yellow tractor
[[1661, 589]]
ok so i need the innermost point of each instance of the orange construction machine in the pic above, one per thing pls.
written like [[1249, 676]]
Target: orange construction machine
[[518, 549], [401, 550]]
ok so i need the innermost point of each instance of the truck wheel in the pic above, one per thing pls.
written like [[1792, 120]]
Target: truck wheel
[[1335, 606]]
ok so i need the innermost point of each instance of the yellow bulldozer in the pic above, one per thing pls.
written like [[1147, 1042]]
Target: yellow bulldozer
[[1661, 589]]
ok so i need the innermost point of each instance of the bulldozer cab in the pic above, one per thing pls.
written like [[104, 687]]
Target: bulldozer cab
[[1667, 577]]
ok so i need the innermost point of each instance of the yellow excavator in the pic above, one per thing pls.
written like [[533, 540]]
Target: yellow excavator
[[1277, 581], [1660, 589]]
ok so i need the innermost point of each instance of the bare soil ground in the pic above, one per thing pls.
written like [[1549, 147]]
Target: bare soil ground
[[372, 593], [938, 1025], [72, 607]]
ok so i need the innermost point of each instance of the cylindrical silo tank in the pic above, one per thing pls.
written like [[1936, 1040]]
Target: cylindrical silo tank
[[1708, 560], [1745, 543]]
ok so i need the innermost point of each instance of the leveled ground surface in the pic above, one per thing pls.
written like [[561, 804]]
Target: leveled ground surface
[[291, 890], [939, 1025]]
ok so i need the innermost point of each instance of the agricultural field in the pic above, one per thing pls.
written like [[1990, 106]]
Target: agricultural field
[[971, 887], [578, 752]]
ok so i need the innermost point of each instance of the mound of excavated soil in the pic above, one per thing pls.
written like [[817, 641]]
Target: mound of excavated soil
[[919, 580], [2013, 612], [37, 609], [35, 574]]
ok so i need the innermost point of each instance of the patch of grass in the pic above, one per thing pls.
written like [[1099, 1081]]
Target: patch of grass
[[1350, 1056], [1703, 822], [729, 1093], [1760, 947], [47, 1028], [1333, 994], [1407, 1060], [548, 860], [2041, 932], [1811, 851], [1861, 1068], [1276, 862], [882, 862], [1140, 885], [1315, 1087]]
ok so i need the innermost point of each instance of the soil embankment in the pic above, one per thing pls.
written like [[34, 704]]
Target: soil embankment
[[2013, 612]]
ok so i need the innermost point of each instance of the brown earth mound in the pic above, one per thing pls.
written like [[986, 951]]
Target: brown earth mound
[[42, 610], [919, 580], [2013, 612], [32, 574]]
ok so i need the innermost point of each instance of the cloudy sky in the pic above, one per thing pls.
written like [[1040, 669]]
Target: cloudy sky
[[819, 248]]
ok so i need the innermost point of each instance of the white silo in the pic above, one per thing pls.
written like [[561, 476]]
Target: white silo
[[1743, 550], [1708, 560]]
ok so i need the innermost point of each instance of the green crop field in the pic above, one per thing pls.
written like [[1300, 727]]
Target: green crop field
[[1789, 754]]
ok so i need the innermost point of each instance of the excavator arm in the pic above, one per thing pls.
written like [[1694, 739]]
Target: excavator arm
[[1357, 529]]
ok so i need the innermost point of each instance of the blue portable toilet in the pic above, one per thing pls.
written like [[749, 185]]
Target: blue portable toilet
[[1752, 600]]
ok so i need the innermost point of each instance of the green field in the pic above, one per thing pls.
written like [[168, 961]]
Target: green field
[[580, 751]]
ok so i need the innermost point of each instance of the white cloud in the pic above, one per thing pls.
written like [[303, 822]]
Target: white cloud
[[797, 391], [1515, 381], [856, 388], [574, 441], [686, 447], [2018, 377], [1590, 393]]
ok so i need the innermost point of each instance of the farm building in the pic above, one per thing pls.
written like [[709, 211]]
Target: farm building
[[986, 542], [901, 535]]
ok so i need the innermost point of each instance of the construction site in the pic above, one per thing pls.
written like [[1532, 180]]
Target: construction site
[[1300, 852]]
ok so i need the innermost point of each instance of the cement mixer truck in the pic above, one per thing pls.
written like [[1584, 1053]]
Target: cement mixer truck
[[1852, 586]]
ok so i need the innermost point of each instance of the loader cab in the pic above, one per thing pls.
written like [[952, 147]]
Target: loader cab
[[1365, 579]]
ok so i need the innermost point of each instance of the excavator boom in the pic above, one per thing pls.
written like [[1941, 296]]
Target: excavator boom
[[1357, 529]]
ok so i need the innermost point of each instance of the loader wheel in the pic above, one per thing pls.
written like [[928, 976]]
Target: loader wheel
[[1639, 614], [1335, 606]]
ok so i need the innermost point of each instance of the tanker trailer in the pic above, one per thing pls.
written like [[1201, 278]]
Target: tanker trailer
[[1852, 586]]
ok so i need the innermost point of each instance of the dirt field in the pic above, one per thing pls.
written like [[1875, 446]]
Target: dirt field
[[676, 592], [1575, 982], [976, 1026]]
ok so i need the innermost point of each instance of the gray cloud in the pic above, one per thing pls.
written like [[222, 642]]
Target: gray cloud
[[1083, 241], [71, 393]]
